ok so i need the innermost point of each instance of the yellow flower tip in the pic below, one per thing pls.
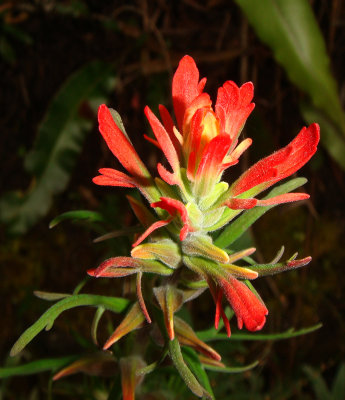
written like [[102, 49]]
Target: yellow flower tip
[[210, 127]]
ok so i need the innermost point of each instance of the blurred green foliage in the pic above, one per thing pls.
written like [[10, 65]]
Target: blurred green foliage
[[298, 45], [59, 141]]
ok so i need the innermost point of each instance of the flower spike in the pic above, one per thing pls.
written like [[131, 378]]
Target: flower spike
[[191, 200]]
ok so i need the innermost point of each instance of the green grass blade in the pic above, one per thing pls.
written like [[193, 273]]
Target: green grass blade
[[92, 216], [209, 335], [233, 370]]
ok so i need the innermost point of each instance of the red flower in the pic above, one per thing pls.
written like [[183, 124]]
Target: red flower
[[198, 148]]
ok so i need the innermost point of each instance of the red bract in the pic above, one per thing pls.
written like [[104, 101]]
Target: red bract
[[176, 207], [233, 107], [249, 310], [120, 145], [280, 164], [186, 87]]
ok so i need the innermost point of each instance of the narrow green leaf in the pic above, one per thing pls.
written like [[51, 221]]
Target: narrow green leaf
[[50, 296], [34, 367], [209, 335], [236, 229], [95, 322], [151, 367], [118, 233], [184, 371], [59, 141], [114, 304], [232, 370], [81, 284], [92, 216], [192, 360], [297, 44]]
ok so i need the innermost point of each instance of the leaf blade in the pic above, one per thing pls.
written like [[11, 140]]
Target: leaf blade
[[298, 45], [47, 319], [59, 141]]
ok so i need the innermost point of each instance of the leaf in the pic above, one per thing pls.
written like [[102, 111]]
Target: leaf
[[46, 321], [59, 141], [331, 136], [232, 370], [153, 366], [318, 383], [184, 371], [92, 216], [133, 320], [95, 322], [170, 300], [297, 43], [97, 364], [130, 380], [210, 335], [196, 367], [50, 296], [188, 337], [338, 387], [237, 228], [34, 367]]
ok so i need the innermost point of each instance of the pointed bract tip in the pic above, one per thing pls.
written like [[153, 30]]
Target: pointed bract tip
[[92, 272], [299, 263]]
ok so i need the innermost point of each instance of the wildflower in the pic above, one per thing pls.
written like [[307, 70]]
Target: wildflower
[[190, 199]]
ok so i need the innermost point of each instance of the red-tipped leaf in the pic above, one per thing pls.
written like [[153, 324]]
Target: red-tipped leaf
[[280, 164], [112, 177], [163, 139], [119, 145], [175, 207]]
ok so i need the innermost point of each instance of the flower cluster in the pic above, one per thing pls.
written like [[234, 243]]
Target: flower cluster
[[191, 201]]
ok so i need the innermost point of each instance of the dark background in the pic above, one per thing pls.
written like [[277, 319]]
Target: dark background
[[144, 41]]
